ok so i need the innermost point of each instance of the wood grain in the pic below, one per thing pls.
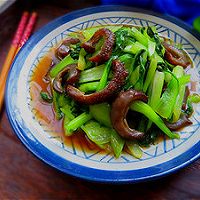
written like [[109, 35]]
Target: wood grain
[[23, 176]]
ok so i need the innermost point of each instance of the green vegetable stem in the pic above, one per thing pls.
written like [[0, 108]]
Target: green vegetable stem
[[61, 65], [81, 60], [89, 87], [139, 37], [166, 104], [104, 78], [96, 133], [134, 149], [101, 112], [178, 72], [77, 122], [68, 116], [117, 143], [93, 74], [155, 91], [150, 74], [146, 110]]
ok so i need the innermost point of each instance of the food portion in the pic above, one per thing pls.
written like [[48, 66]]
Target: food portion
[[123, 87]]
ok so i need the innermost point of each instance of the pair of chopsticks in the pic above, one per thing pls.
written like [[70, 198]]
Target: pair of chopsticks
[[22, 34]]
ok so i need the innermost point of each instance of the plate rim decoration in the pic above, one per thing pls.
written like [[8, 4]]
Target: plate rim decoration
[[72, 168]]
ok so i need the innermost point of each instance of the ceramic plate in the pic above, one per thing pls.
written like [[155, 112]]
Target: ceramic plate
[[158, 160]]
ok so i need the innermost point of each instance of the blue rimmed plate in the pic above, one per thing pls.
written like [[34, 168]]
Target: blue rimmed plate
[[158, 160]]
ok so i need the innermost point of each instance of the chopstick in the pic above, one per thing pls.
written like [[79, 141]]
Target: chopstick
[[28, 30], [22, 34]]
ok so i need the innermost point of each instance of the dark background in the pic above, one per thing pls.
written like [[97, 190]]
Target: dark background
[[23, 176]]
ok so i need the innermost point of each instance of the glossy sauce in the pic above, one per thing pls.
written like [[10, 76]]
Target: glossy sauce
[[44, 111]]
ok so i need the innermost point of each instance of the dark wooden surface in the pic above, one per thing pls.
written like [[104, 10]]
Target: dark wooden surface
[[23, 176]]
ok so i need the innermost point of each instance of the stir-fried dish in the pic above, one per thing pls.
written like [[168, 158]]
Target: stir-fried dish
[[122, 86]]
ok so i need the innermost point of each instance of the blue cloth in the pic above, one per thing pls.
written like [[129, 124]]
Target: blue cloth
[[186, 10]]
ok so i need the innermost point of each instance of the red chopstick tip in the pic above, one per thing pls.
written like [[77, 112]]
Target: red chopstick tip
[[25, 13], [34, 13], [20, 29], [28, 29]]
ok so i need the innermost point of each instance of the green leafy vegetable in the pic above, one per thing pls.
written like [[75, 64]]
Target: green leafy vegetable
[[150, 137], [101, 112], [139, 37], [75, 53], [164, 109], [134, 149], [178, 72], [104, 78], [46, 97], [142, 71], [151, 47], [150, 74], [81, 60], [145, 109], [194, 98], [89, 87], [155, 91], [117, 143], [159, 47], [77, 122], [96, 133], [134, 48], [58, 112], [67, 111], [92, 74], [139, 64], [61, 65]]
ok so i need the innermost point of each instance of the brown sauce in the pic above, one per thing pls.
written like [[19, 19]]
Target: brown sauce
[[44, 111]]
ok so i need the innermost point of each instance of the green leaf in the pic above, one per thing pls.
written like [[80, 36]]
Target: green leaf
[[81, 60], [166, 105], [46, 97], [96, 133], [159, 47], [105, 75], [101, 112], [75, 52], [139, 37], [134, 48], [134, 149], [150, 74], [194, 98], [117, 143], [56, 105], [67, 110], [78, 122], [146, 110], [89, 87], [92, 74], [61, 65]]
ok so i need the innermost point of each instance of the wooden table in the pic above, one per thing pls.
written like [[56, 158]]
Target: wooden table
[[23, 176]]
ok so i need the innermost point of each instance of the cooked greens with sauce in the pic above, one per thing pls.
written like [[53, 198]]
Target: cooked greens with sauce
[[123, 87]]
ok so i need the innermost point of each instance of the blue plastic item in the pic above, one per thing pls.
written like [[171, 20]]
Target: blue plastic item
[[186, 10]]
